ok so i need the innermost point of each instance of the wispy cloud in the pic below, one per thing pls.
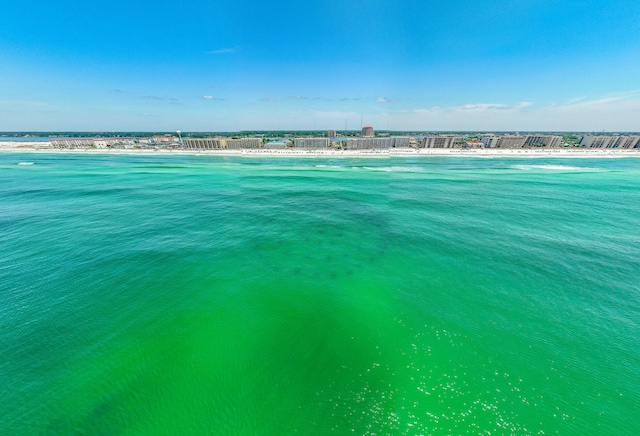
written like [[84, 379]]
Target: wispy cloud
[[491, 107], [629, 100], [576, 100], [385, 100], [158, 98], [24, 102], [298, 97], [223, 51], [268, 100], [610, 112]]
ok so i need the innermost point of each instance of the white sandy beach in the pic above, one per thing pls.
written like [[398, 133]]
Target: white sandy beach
[[45, 147]]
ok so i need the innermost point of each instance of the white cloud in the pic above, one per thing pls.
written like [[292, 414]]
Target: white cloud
[[222, 51], [617, 112], [491, 107], [23, 103], [576, 100], [166, 99], [609, 102]]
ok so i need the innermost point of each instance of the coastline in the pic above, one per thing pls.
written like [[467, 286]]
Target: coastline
[[45, 147]]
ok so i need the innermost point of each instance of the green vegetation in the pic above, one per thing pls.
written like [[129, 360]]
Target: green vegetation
[[571, 140]]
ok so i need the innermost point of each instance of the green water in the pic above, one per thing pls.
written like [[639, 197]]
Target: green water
[[210, 295]]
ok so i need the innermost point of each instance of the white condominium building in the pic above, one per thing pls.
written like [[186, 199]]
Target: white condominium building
[[401, 142], [509, 141], [628, 142], [221, 143], [439, 142], [72, 142], [369, 143], [490, 141], [591, 141], [311, 143], [550, 141]]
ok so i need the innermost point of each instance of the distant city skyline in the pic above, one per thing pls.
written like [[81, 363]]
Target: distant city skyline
[[535, 65]]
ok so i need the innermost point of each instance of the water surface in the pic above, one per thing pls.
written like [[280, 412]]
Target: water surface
[[234, 295]]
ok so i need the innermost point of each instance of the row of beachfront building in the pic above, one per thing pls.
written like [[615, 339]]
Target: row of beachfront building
[[360, 143], [553, 141], [299, 143]]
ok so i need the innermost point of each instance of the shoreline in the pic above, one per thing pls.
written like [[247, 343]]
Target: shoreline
[[44, 147]]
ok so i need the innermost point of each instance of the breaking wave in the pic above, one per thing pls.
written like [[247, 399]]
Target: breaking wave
[[553, 168]]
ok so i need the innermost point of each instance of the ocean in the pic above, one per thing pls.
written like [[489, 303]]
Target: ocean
[[144, 294]]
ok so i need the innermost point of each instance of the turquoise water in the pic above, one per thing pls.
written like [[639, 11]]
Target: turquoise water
[[229, 295]]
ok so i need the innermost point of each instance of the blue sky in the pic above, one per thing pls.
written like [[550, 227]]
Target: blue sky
[[285, 64]]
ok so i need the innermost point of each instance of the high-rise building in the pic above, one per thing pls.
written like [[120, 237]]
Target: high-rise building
[[367, 132], [369, 143], [331, 134], [511, 141], [543, 141], [490, 141], [448, 141], [628, 142], [221, 143], [311, 143], [591, 141]]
